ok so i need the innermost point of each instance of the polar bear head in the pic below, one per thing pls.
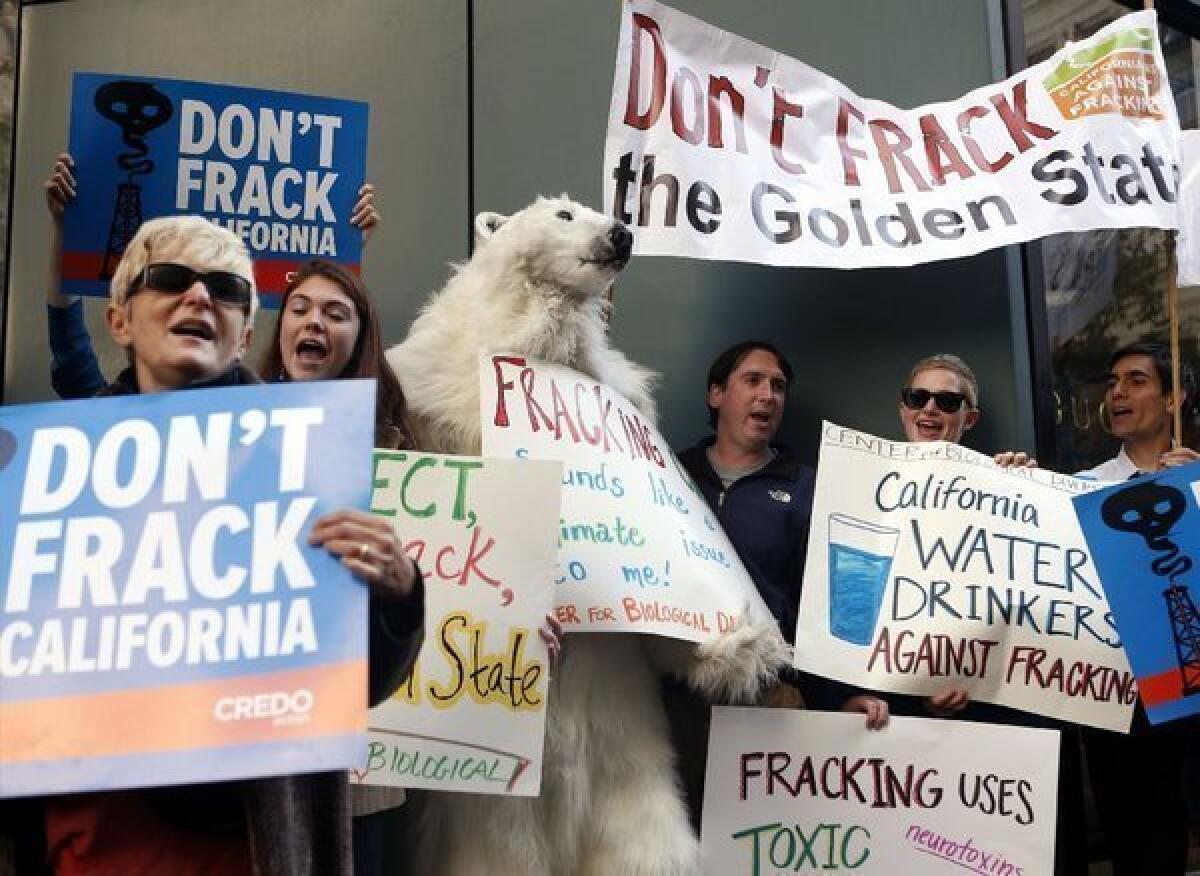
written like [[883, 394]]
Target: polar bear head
[[556, 244]]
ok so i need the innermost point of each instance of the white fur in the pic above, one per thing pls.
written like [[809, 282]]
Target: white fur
[[610, 803]]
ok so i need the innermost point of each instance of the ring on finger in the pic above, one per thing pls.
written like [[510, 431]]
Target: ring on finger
[[364, 552]]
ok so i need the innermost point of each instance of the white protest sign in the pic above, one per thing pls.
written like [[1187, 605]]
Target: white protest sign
[[639, 549], [929, 565], [472, 715], [719, 148], [793, 791], [1187, 245]]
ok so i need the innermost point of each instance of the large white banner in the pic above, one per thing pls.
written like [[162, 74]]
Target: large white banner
[[472, 715], [720, 148], [1187, 246], [807, 792], [638, 548], [928, 565]]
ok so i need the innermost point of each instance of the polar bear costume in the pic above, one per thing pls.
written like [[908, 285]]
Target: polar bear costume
[[610, 804]]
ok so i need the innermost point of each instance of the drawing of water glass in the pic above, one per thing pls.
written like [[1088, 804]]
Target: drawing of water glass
[[860, 557]]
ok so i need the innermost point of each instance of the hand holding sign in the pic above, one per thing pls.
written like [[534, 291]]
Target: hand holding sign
[[369, 547], [60, 186]]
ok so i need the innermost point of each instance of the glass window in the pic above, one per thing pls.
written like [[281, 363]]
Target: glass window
[[8, 68], [1105, 288]]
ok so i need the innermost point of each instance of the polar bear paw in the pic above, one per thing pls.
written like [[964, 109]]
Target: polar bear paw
[[737, 665]]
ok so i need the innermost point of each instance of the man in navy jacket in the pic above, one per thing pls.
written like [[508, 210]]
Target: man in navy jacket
[[762, 494]]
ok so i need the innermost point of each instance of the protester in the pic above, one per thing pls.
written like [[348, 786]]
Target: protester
[[1137, 779], [940, 402], [328, 328], [762, 495], [182, 306], [74, 371]]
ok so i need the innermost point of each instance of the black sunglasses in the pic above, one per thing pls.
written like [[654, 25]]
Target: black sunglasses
[[225, 287], [947, 402]]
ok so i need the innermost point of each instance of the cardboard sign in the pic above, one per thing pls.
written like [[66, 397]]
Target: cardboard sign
[[719, 148], [472, 715], [281, 170], [929, 565], [1145, 538], [163, 619], [806, 792], [638, 548]]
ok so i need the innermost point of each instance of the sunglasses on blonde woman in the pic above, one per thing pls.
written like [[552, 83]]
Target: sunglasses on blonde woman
[[947, 402], [225, 287]]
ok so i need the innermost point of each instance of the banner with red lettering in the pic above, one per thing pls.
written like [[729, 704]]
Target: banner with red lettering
[[929, 566], [638, 548], [719, 148]]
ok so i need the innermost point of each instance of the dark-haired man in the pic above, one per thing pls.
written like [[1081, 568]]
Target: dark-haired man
[[1138, 779], [1141, 407], [762, 495]]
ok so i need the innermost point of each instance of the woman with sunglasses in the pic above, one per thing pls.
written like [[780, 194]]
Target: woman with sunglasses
[[182, 306], [940, 402], [75, 371]]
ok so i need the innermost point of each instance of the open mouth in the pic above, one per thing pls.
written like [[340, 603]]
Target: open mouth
[[929, 427], [611, 259], [762, 418], [311, 350], [194, 328]]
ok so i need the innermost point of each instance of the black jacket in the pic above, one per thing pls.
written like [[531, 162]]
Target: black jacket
[[766, 516]]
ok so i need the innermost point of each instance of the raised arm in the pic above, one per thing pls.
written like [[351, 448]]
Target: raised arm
[[74, 371]]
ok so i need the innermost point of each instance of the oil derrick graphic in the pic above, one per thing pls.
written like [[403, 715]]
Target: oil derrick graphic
[[137, 108], [1150, 510], [1185, 623]]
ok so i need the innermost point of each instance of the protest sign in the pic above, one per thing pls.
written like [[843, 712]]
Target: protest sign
[[719, 148], [164, 619], [1187, 245], [638, 548], [471, 716], [281, 170], [929, 565], [792, 791], [1145, 538]]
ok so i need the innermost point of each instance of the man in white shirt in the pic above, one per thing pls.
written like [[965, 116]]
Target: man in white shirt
[[1141, 408], [1138, 779]]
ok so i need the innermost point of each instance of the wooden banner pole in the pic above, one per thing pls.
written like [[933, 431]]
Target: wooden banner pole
[[1173, 316]]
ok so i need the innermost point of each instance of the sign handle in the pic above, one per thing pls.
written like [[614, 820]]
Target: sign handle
[[1173, 316]]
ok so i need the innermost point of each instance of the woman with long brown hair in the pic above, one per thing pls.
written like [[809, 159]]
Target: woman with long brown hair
[[328, 328]]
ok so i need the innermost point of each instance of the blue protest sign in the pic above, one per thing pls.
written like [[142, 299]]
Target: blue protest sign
[[163, 619], [282, 170], [1144, 536]]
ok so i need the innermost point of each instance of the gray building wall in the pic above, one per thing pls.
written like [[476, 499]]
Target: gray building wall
[[407, 58], [537, 107]]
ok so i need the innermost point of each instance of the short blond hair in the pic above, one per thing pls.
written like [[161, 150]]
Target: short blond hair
[[191, 238], [949, 362]]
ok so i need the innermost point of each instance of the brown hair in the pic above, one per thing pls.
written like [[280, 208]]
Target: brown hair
[[367, 359]]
